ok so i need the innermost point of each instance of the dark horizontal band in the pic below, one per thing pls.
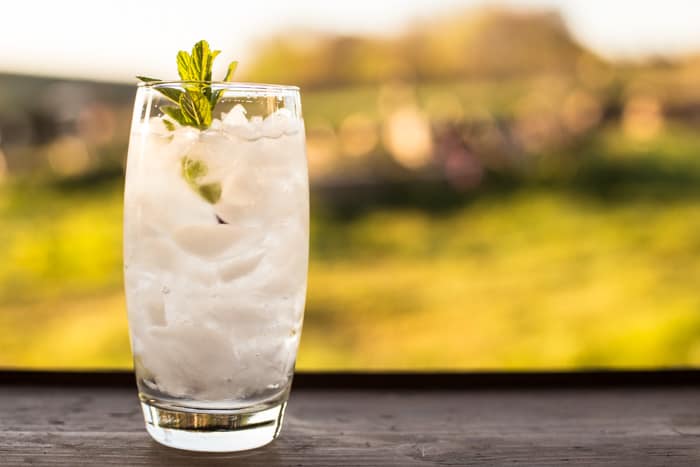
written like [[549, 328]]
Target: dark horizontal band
[[396, 380]]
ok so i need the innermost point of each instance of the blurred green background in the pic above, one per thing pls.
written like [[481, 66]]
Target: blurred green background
[[487, 193]]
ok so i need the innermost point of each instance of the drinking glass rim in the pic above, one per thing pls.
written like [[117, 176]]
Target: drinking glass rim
[[232, 85]]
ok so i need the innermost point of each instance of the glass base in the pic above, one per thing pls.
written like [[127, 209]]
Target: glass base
[[216, 431]]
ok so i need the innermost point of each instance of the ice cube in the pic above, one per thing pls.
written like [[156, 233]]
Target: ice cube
[[237, 267], [150, 304], [216, 125], [157, 126], [279, 123], [234, 312], [274, 125], [185, 358], [286, 261], [237, 116], [207, 241], [144, 299], [155, 254], [214, 149], [236, 124], [167, 202], [240, 194], [292, 124], [183, 139]]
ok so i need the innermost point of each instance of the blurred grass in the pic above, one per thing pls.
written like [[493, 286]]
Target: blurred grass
[[542, 275]]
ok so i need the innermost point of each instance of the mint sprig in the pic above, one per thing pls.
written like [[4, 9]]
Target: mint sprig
[[193, 106]]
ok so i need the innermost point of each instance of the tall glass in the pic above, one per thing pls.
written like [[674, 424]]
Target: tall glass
[[216, 233]]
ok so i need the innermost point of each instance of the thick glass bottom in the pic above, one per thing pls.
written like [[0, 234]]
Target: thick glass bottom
[[216, 431]]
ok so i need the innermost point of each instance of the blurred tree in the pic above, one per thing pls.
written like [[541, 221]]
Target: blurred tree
[[484, 43], [315, 60]]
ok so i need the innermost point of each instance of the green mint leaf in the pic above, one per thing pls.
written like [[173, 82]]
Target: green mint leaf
[[146, 79], [196, 108], [184, 66], [210, 64], [171, 93], [210, 192], [229, 77], [231, 70], [176, 114], [200, 56], [202, 60], [189, 109], [215, 96], [192, 169], [169, 125]]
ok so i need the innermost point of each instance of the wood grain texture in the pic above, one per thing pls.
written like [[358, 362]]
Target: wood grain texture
[[635, 427]]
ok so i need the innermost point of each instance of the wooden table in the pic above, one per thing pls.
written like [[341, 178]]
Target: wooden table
[[373, 425]]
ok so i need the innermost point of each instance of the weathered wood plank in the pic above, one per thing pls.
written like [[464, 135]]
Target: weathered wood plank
[[103, 426]]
